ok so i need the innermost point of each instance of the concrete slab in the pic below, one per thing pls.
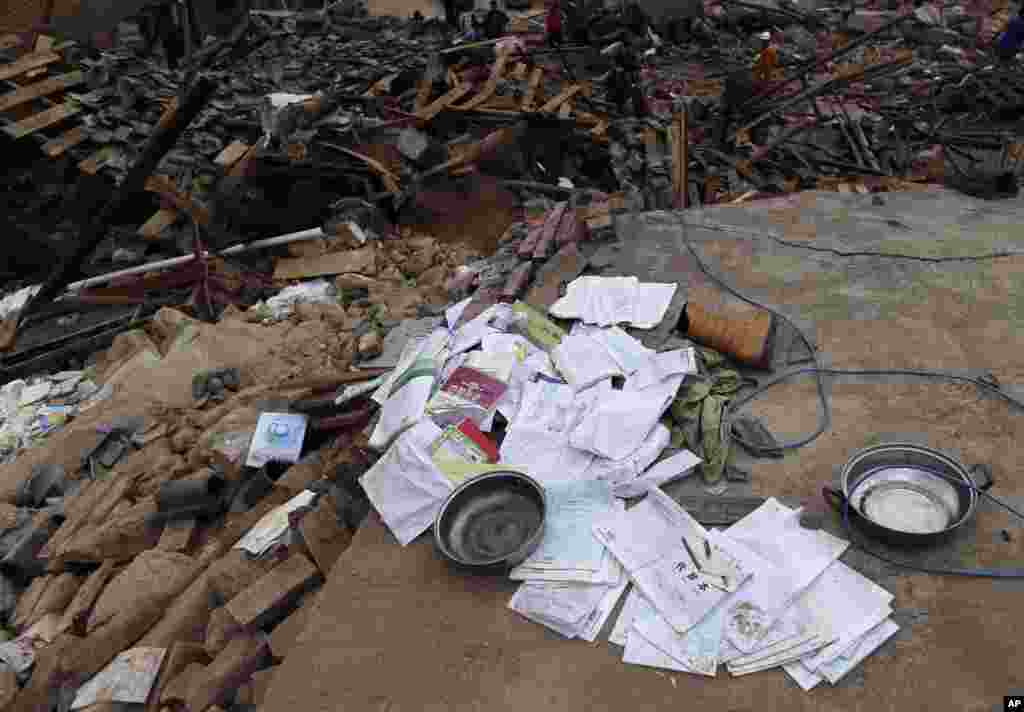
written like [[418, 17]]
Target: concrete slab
[[388, 610]]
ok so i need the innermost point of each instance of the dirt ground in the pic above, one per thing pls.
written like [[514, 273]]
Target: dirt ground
[[396, 630]]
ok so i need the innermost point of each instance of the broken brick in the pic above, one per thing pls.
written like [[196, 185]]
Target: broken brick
[[268, 598], [221, 629], [179, 656], [29, 599], [186, 619], [324, 535], [179, 688], [77, 613], [152, 576], [216, 683], [57, 597], [286, 634], [178, 535], [8, 686]]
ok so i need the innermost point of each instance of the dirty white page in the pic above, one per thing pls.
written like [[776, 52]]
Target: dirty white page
[[604, 301], [529, 360], [640, 651], [405, 486], [773, 532], [432, 345], [653, 541], [128, 679], [571, 609], [630, 609], [583, 362], [273, 525], [697, 649], [835, 670], [671, 468], [662, 366], [628, 353], [794, 622], [453, 313], [806, 679], [538, 439], [652, 301], [851, 603], [806, 645], [472, 332], [621, 472], [595, 622], [567, 542]]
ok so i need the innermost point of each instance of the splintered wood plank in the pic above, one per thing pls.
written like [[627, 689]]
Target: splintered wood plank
[[44, 43], [9, 41], [27, 63], [231, 154], [51, 116], [422, 94], [569, 92], [34, 91], [68, 139], [519, 72], [530, 98], [161, 219], [489, 87], [168, 189], [441, 103]]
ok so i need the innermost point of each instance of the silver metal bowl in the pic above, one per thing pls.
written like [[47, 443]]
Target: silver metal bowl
[[909, 492], [491, 522]]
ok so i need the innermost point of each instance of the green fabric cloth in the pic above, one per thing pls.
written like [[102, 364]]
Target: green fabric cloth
[[716, 452]]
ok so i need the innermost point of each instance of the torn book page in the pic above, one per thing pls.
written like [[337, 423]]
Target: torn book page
[[472, 332], [583, 362], [409, 391], [128, 679], [798, 555], [405, 486], [662, 547], [273, 525], [635, 601], [852, 603], [671, 468], [620, 472], [433, 346], [628, 353], [567, 542], [697, 649], [662, 366], [620, 421], [607, 301], [871, 641]]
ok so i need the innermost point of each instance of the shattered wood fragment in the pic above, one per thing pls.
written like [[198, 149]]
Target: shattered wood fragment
[[390, 179], [166, 188], [489, 87], [26, 63], [69, 139], [34, 91], [530, 98], [42, 120], [267, 598], [157, 223], [231, 154], [569, 92], [443, 102], [680, 159]]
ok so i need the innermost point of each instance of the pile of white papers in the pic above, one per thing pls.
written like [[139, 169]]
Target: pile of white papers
[[607, 301]]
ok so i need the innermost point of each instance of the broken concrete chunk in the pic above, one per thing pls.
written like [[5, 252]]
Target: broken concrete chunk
[[266, 600], [324, 535], [221, 629], [148, 578], [77, 613], [216, 683], [58, 596], [179, 656], [179, 689]]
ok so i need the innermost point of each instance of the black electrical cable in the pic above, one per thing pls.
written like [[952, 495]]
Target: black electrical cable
[[727, 434]]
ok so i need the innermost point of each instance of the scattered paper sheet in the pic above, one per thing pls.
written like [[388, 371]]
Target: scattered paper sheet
[[606, 301], [127, 679], [696, 650], [453, 313], [797, 556], [628, 353], [583, 362], [620, 472], [405, 486], [567, 543], [409, 388], [835, 670], [671, 468], [575, 610], [662, 366], [472, 332], [640, 651], [272, 526], [671, 559]]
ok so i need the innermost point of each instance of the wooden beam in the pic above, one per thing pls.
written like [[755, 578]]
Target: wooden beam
[[158, 221], [26, 63], [34, 91], [51, 116], [442, 102], [564, 96], [680, 159], [68, 139], [231, 154], [529, 99], [166, 188], [489, 87]]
